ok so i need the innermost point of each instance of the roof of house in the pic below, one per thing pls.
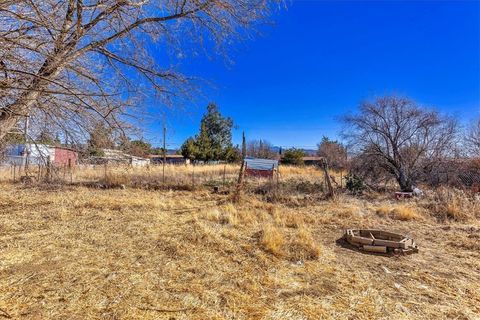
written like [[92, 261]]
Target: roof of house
[[261, 164], [312, 158], [41, 145], [168, 156], [119, 155]]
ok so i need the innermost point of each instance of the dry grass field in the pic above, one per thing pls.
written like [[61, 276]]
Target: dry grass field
[[77, 252]]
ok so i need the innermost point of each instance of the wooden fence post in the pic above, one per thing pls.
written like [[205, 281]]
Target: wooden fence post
[[193, 176], [238, 190], [224, 174], [330, 191], [49, 169]]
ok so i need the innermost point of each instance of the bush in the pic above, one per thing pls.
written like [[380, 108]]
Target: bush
[[354, 184], [293, 156]]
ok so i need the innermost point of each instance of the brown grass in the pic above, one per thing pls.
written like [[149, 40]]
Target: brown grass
[[405, 213], [398, 212], [272, 240], [77, 252]]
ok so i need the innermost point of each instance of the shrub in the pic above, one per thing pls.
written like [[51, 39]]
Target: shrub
[[293, 156], [354, 184]]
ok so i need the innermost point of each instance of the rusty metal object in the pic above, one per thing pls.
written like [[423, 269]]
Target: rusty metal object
[[380, 241]]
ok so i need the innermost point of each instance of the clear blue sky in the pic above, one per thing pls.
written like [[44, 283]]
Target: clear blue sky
[[321, 58]]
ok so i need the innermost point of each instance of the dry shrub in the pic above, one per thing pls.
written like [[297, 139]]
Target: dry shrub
[[272, 240], [453, 204]]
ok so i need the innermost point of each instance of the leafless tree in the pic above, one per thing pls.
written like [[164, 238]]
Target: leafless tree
[[401, 137], [78, 61], [473, 139], [261, 149], [333, 152]]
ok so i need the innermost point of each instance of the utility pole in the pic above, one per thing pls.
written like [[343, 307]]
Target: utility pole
[[164, 151]]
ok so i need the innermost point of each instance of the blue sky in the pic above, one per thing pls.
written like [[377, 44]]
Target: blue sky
[[321, 58]]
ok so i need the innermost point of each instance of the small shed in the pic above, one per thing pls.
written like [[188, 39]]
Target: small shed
[[264, 168], [41, 154], [65, 157]]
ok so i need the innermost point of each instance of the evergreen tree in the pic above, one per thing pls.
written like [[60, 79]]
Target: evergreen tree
[[293, 156], [203, 144], [214, 141], [189, 149]]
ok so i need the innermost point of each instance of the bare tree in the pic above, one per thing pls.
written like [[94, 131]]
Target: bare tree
[[334, 152], [261, 149], [401, 137], [473, 139], [78, 61]]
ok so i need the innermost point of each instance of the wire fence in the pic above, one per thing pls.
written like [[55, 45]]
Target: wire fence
[[179, 176]]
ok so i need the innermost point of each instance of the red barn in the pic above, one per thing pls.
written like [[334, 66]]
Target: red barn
[[65, 157]]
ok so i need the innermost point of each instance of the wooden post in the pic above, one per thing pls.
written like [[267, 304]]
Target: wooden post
[[49, 169], [239, 187], [164, 154], [224, 174], [193, 176], [330, 191]]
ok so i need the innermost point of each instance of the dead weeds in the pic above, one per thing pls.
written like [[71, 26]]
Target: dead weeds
[[144, 254]]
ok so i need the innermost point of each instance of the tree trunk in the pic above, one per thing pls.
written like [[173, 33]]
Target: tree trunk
[[404, 182], [11, 114]]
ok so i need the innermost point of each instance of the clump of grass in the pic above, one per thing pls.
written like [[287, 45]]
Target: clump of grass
[[404, 213], [226, 214], [453, 210], [272, 240], [288, 219], [296, 246], [346, 213], [383, 211], [303, 246], [399, 212]]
